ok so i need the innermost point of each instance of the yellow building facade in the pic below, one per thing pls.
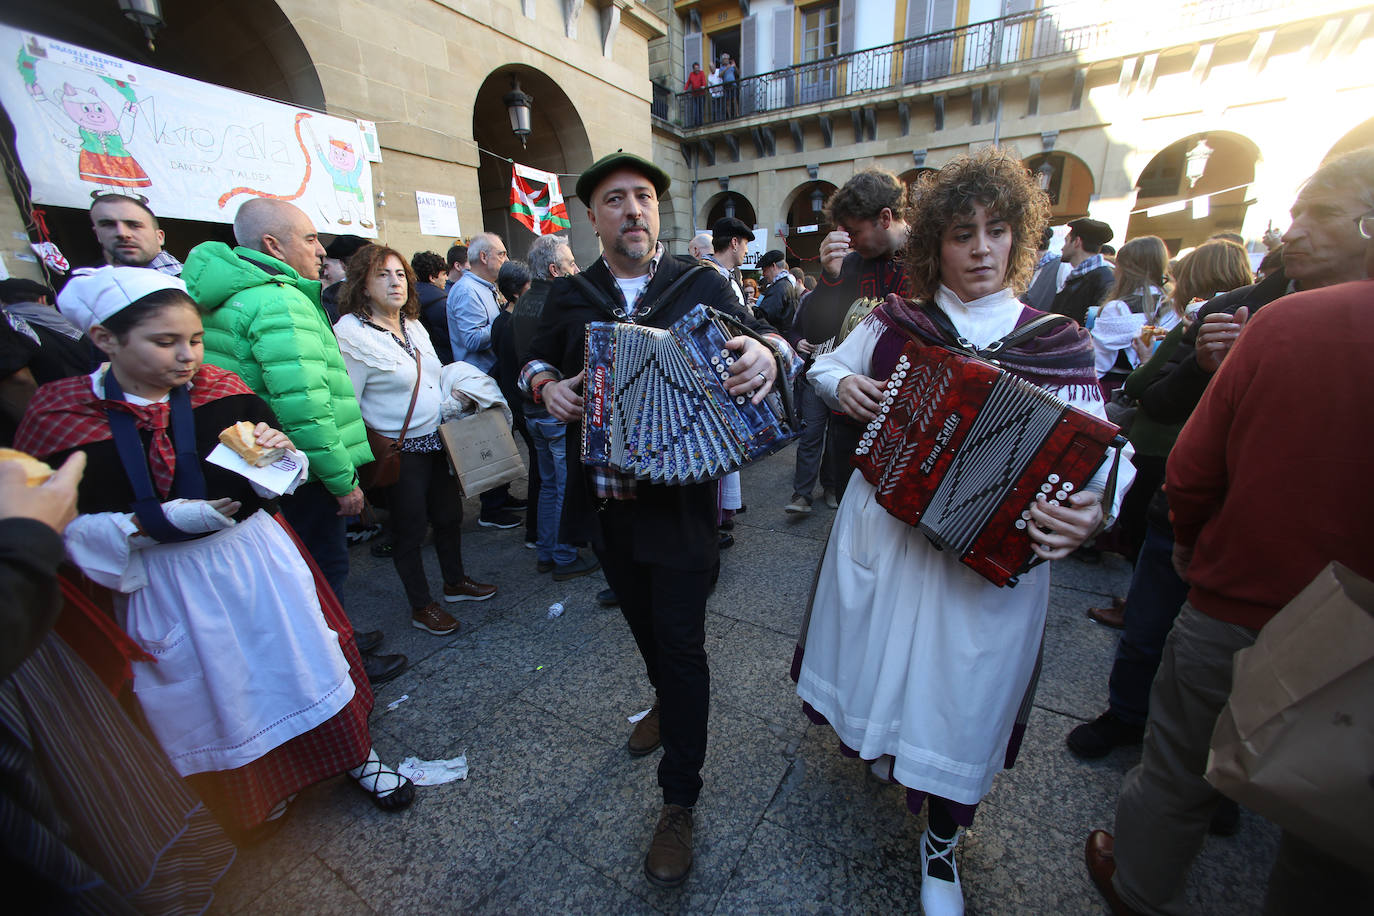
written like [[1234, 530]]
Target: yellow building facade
[[1176, 119]]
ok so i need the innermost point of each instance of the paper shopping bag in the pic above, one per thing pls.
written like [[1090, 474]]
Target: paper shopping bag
[[482, 451], [1295, 742]]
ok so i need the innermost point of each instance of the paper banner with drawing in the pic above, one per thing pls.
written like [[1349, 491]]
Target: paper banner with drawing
[[86, 123]]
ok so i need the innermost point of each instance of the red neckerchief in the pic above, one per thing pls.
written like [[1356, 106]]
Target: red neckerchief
[[67, 414]]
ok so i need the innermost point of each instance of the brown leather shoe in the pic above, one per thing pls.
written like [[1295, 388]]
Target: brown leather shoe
[[1101, 866], [645, 738], [1114, 616], [433, 619], [468, 590], [670, 852]]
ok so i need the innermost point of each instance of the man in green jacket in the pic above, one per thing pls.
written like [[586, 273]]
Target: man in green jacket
[[263, 320]]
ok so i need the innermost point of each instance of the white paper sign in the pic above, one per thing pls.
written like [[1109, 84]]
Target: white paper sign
[[87, 123], [276, 478], [438, 214]]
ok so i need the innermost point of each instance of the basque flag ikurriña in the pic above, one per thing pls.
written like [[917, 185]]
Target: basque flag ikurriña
[[537, 200]]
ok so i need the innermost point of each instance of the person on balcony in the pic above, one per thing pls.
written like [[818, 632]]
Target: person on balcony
[[696, 102], [729, 78]]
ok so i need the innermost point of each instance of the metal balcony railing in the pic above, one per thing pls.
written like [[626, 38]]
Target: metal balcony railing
[[983, 46]]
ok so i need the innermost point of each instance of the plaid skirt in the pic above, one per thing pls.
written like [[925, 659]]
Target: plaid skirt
[[242, 798]]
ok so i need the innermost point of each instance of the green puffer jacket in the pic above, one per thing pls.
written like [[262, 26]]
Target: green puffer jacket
[[264, 321]]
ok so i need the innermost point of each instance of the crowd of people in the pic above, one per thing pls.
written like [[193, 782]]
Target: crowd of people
[[203, 642]]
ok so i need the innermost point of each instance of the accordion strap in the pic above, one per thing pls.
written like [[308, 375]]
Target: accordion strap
[[1033, 328], [603, 299]]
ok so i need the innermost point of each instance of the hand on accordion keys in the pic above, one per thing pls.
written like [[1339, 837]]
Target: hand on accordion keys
[[860, 396], [1057, 531], [754, 370]]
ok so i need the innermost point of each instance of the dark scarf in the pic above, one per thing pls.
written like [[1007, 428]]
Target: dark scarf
[[1059, 357]]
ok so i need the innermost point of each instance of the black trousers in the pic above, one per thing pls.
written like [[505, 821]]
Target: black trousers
[[425, 490], [666, 611]]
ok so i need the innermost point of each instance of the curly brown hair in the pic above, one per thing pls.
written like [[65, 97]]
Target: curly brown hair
[[997, 179], [353, 297], [865, 196]]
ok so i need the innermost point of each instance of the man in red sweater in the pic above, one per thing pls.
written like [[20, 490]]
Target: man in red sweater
[[1267, 484], [696, 85]]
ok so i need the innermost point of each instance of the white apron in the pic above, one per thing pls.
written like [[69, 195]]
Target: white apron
[[245, 660]]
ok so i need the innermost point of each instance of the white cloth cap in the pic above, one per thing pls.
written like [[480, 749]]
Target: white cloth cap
[[94, 294]]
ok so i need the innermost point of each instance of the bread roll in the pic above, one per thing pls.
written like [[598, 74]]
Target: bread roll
[[241, 439], [35, 471]]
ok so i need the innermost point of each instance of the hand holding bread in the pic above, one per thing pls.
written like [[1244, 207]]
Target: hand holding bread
[[259, 445], [51, 501]]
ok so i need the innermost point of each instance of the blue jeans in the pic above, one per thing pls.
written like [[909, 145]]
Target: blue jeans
[[1153, 602], [550, 447]]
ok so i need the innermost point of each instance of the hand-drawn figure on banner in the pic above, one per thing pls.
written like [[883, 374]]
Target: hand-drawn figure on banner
[[94, 127], [345, 168]]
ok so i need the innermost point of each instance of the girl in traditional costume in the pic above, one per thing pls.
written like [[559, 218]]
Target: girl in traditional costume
[[256, 689], [914, 659]]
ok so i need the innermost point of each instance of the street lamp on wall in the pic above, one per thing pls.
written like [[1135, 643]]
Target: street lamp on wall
[[817, 201], [518, 106], [1195, 161], [146, 14], [1044, 174], [729, 208]]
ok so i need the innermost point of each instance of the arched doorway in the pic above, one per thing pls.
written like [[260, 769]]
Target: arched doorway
[[1195, 188], [1067, 180], [1358, 138], [729, 203], [248, 45], [557, 143], [806, 223]]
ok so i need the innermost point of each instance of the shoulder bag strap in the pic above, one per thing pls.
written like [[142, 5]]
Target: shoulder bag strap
[[414, 396], [1026, 331]]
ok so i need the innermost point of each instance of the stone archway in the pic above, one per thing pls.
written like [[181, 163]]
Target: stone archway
[[1194, 188], [248, 45], [1067, 180], [557, 143], [1359, 137], [803, 211], [728, 203]]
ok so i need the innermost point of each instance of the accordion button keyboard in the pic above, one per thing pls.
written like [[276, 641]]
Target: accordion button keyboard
[[1021, 524], [1068, 486], [1061, 495], [1045, 487], [1053, 478]]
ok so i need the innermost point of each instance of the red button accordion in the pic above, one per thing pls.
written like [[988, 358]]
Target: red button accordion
[[961, 448]]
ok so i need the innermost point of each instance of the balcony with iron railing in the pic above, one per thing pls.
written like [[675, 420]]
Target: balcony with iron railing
[[1074, 31]]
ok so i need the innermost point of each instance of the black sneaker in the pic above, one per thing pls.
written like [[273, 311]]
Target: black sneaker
[[499, 519], [579, 567], [607, 598], [382, 668], [1097, 738], [515, 504], [367, 640]]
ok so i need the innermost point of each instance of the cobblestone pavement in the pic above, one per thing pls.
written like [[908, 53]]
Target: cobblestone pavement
[[555, 816]]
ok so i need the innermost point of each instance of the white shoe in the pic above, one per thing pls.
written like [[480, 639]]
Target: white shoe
[[938, 896], [882, 768]]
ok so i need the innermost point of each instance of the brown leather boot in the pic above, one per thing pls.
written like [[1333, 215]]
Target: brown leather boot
[[645, 738], [670, 853]]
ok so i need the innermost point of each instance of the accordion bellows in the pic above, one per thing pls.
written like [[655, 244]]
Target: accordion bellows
[[961, 448], [655, 405]]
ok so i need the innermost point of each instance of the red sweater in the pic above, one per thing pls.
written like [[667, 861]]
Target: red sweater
[[1270, 479], [696, 81]]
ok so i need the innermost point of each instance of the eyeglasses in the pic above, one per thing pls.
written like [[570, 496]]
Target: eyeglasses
[[1366, 225]]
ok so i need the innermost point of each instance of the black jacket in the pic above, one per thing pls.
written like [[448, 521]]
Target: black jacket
[[779, 303], [1083, 292], [859, 278], [675, 526], [1175, 392], [434, 317]]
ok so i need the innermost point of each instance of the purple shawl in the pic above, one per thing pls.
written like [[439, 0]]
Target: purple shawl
[[1061, 356]]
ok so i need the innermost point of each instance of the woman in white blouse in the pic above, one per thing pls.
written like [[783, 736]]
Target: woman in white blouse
[[1136, 301], [912, 658], [388, 353]]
